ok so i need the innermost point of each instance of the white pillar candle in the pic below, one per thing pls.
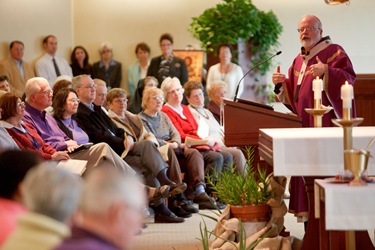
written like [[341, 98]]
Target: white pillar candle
[[317, 88], [347, 95]]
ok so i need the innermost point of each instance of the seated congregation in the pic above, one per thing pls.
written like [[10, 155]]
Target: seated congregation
[[149, 146], [60, 112]]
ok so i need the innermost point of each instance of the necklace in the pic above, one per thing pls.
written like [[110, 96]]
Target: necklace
[[224, 69], [223, 76], [205, 115]]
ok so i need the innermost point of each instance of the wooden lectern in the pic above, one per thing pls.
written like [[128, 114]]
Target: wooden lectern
[[243, 119]]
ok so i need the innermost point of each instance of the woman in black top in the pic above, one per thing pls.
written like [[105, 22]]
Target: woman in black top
[[167, 65], [80, 61]]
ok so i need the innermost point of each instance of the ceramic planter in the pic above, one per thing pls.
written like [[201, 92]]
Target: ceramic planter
[[251, 213]]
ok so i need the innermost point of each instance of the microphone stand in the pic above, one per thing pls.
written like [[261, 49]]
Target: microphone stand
[[256, 66]]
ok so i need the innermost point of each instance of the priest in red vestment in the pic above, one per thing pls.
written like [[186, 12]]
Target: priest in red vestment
[[321, 58]]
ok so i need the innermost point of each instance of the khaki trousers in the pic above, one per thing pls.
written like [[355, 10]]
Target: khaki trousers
[[102, 155]]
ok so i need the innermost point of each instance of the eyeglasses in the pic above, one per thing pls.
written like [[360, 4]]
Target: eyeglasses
[[121, 100], [308, 28], [74, 100], [197, 95], [47, 92], [91, 86], [177, 91], [158, 98], [20, 104]]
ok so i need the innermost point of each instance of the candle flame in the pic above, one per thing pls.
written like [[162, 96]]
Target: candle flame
[[346, 83], [317, 78]]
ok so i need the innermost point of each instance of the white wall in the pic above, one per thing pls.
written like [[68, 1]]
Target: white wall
[[351, 26], [31, 20], [127, 22]]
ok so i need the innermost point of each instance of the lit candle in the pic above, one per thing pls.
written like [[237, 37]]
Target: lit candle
[[317, 88], [347, 95]]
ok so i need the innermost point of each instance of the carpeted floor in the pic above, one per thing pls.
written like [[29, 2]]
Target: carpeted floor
[[185, 236]]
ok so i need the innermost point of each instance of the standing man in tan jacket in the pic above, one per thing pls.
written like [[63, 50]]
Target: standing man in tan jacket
[[17, 70]]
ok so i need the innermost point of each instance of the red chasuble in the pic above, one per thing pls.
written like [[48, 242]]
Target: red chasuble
[[339, 69]]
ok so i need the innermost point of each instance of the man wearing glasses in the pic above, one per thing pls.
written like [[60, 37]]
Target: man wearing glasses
[[319, 57], [38, 98]]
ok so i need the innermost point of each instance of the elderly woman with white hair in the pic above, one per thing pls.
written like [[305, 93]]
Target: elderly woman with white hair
[[186, 125], [216, 92], [195, 96], [191, 161], [107, 69], [133, 126]]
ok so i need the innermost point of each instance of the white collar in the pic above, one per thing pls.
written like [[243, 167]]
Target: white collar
[[10, 126], [178, 110]]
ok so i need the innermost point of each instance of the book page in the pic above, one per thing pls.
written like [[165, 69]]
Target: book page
[[75, 166], [195, 142], [164, 152]]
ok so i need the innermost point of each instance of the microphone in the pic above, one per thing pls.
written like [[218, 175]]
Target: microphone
[[256, 66]]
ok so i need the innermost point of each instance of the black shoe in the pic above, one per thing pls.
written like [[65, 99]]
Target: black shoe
[[160, 193], [205, 202], [172, 218], [176, 188], [180, 212], [189, 208], [220, 205]]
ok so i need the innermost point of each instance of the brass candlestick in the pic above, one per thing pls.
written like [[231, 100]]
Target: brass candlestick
[[347, 123], [353, 160], [317, 112]]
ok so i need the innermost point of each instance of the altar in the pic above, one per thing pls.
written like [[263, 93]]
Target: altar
[[312, 153]]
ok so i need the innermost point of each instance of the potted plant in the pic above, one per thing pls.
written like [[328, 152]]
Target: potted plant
[[238, 20], [248, 194]]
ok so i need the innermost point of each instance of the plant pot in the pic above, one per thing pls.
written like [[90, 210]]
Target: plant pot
[[251, 213]]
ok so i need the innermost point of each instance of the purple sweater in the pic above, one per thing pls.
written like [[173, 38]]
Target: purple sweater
[[82, 239]]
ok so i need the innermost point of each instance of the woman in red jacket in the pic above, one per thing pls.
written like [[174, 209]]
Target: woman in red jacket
[[185, 123], [22, 133]]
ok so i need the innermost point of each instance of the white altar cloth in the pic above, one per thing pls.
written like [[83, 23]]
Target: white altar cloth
[[314, 151], [346, 208]]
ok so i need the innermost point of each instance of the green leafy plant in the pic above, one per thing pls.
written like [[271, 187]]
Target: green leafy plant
[[238, 190], [238, 19]]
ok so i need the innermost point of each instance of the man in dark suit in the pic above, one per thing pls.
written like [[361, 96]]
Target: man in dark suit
[[167, 64]]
